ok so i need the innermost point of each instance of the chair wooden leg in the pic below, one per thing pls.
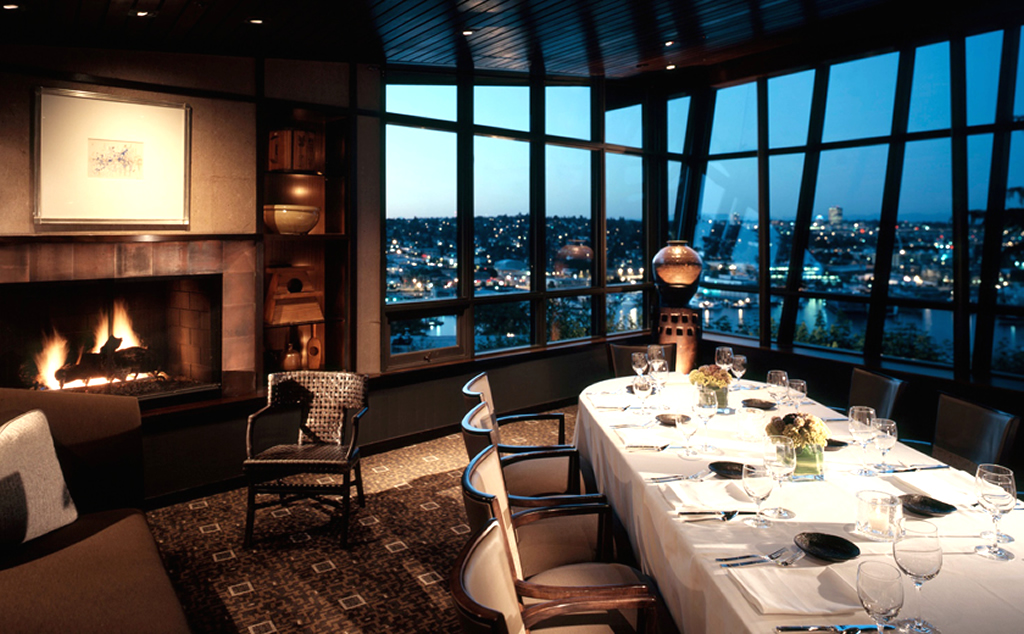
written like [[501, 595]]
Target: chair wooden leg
[[359, 484], [345, 504], [250, 516]]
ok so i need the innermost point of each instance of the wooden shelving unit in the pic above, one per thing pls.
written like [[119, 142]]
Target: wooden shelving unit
[[307, 277]]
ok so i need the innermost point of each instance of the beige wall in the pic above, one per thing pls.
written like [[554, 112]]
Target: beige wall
[[223, 159]]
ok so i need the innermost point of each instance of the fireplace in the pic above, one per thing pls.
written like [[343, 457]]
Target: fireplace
[[156, 338]]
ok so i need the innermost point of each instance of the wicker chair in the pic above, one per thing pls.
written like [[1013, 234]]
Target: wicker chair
[[322, 404]]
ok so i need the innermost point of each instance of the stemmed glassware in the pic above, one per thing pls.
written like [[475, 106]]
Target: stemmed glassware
[[643, 385], [739, 368], [997, 494], [918, 553], [863, 432], [639, 360], [780, 459], [797, 392], [723, 357], [687, 427], [885, 439], [705, 408], [880, 590], [778, 385], [758, 483], [657, 367]]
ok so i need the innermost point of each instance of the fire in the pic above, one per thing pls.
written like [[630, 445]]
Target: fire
[[122, 329], [55, 348]]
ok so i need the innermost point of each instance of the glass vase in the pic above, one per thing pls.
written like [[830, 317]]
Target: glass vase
[[810, 463]]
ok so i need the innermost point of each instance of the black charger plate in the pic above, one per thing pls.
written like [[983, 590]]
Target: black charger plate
[[669, 420], [835, 445], [925, 506], [726, 469], [831, 548], [758, 403]]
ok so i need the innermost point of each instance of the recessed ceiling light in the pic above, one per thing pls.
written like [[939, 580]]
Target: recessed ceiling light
[[467, 32], [670, 67], [255, 20], [10, 7], [141, 14], [669, 43]]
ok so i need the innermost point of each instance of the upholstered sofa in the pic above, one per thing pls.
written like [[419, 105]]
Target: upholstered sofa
[[102, 572]]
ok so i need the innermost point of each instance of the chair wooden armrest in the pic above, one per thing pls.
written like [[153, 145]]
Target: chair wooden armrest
[[556, 416], [647, 605], [570, 454]]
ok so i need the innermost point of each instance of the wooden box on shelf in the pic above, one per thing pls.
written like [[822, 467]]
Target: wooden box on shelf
[[292, 297]]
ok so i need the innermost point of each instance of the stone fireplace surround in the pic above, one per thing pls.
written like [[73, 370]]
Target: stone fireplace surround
[[74, 258]]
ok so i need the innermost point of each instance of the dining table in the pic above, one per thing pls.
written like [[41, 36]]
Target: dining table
[[633, 457]]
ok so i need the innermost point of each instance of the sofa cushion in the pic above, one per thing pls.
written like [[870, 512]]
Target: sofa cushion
[[103, 573], [33, 497]]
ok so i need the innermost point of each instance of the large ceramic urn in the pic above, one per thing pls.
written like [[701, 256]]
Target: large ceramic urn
[[677, 268]]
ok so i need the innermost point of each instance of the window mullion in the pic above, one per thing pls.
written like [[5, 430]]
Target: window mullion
[[763, 217], [961, 245]]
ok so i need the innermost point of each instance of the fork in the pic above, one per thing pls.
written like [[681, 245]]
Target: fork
[[788, 557], [777, 553]]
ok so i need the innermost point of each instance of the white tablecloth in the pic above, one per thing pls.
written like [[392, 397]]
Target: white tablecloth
[[971, 594]]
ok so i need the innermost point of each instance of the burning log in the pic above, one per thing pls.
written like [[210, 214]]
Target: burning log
[[89, 366], [110, 364], [133, 362]]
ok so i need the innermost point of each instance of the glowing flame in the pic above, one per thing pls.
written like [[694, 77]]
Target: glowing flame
[[55, 351], [55, 348], [122, 329]]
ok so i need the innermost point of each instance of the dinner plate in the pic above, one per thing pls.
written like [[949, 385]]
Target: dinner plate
[[835, 445], [670, 420], [726, 469], [758, 403], [925, 506], [826, 547]]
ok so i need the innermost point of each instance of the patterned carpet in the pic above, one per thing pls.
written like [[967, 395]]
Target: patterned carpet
[[296, 578]]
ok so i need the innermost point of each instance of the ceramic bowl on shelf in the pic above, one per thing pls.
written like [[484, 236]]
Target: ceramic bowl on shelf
[[290, 219]]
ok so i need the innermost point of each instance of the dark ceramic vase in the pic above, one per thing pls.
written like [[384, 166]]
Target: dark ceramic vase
[[677, 269]]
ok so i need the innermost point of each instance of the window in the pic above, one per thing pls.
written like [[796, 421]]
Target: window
[[624, 216], [570, 253], [624, 126], [567, 111], [502, 106], [735, 124], [501, 225], [860, 98]]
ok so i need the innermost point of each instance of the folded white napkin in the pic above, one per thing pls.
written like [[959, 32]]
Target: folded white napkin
[[636, 438], [817, 590], [713, 495], [951, 486]]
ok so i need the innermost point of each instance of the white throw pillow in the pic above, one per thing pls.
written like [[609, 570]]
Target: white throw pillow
[[34, 499]]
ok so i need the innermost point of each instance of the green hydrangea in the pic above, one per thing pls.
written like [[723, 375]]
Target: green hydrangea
[[804, 429], [711, 376]]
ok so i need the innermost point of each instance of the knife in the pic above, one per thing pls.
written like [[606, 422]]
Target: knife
[[715, 512], [852, 629], [920, 468]]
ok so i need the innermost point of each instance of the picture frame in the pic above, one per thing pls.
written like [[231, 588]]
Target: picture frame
[[102, 159]]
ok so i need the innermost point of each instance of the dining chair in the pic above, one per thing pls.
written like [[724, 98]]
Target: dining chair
[[620, 357], [875, 390], [324, 409], [563, 546], [489, 600], [547, 469], [968, 434], [478, 389]]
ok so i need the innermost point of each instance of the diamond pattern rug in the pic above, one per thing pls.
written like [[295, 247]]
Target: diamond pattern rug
[[297, 578]]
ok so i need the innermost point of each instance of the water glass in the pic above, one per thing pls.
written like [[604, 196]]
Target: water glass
[[643, 385], [723, 357], [863, 433], [885, 440], [997, 494], [639, 360], [739, 368], [778, 385], [797, 392], [705, 408], [758, 483], [687, 427], [880, 590], [779, 454], [918, 553]]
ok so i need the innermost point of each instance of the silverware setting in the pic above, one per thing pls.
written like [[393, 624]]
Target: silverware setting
[[722, 516], [919, 468], [788, 557], [699, 476], [852, 629], [777, 553]]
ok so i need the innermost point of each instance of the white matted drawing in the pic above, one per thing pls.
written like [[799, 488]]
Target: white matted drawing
[[102, 159]]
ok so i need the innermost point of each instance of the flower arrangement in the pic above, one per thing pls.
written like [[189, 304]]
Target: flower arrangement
[[711, 376], [805, 429]]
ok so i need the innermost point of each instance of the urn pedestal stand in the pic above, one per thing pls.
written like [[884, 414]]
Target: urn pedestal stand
[[677, 268], [680, 326]]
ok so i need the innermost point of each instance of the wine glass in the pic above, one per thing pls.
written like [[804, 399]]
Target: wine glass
[[885, 439], [797, 392], [997, 494], [758, 483], [639, 360], [723, 357], [778, 385], [863, 433], [643, 385], [880, 590], [739, 368], [780, 459], [687, 426], [918, 553], [657, 366], [705, 408], [657, 351]]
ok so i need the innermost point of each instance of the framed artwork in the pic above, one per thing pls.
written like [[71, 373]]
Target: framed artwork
[[103, 159]]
